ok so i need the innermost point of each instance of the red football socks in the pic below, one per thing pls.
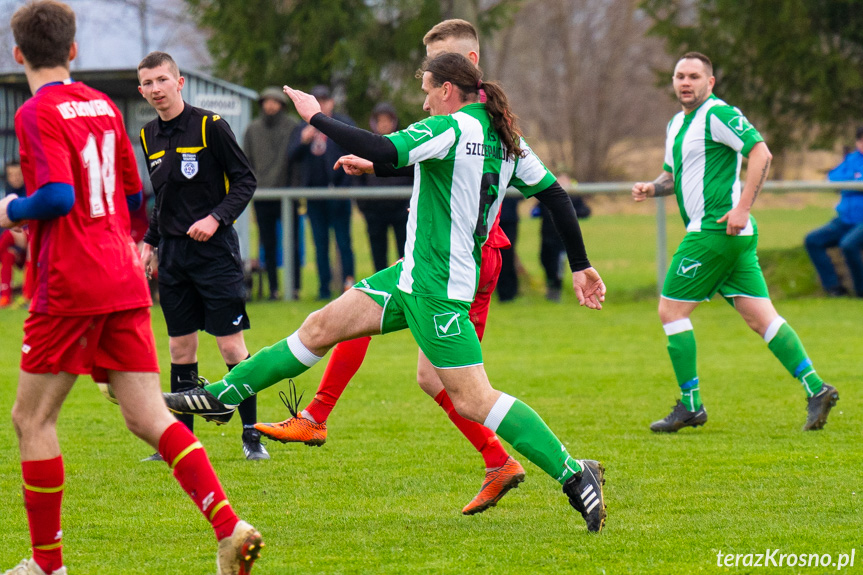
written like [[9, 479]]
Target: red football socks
[[186, 456], [43, 494], [344, 363], [481, 437]]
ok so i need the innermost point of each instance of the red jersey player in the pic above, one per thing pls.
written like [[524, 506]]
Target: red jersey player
[[503, 472], [90, 312]]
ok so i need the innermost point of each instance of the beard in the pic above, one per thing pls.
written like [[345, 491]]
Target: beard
[[698, 98]]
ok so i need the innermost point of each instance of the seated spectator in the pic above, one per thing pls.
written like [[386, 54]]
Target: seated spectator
[[845, 230], [381, 215]]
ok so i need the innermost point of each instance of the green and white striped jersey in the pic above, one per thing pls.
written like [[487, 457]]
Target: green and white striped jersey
[[704, 150], [461, 174]]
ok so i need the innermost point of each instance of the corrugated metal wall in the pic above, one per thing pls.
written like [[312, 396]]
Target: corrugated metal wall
[[234, 103]]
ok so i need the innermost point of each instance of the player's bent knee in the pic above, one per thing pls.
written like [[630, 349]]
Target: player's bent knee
[[429, 383], [233, 350], [427, 388], [467, 408], [148, 429], [316, 332], [16, 425], [27, 423], [182, 353]]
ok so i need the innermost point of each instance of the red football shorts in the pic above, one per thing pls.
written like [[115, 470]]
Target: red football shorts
[[489, 272], [119, 341]]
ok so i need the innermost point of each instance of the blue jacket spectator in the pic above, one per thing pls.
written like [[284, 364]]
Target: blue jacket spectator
[[845, 231]]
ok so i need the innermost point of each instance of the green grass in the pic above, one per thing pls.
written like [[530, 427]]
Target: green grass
[[384, 494]]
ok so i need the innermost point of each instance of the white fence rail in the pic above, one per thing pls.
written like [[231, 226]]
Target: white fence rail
[[286, 195]]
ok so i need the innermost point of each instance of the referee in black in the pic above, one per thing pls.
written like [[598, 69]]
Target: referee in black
[[202, 181]]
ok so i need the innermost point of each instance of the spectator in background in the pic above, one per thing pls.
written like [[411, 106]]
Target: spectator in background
[[14, 180], [316, 155], [266, 145], [845, 230], [13, 243], [507, 283], [551, 251], [390, 213]]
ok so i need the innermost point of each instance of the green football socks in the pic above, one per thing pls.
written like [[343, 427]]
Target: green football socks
[[682, 351], [522, 428], [284, 359], [783, 341]]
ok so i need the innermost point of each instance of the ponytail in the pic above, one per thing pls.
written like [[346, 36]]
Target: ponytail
[[461, 73], [503, 119]]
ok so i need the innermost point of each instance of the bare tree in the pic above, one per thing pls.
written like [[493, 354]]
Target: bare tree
[[7, 42], [581, 75], [115, 33]]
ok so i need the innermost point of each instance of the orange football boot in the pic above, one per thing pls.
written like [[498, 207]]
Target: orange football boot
[[497, 483], [295, 430]]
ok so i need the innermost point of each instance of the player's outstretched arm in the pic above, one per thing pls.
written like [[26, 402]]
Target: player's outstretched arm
[[306, 104], [353, 140], [589, 288]]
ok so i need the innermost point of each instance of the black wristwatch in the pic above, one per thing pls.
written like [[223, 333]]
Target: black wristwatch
[[217, 217]]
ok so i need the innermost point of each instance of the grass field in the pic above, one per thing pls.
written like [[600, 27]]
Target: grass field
[[384, 494]]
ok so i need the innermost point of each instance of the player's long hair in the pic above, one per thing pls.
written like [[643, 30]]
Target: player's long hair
[[461, 73]]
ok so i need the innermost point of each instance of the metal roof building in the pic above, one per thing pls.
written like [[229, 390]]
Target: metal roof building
[[232, 102]]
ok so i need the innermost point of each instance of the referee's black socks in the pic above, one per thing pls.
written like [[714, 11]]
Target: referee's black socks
[[248, 408], [182, 378]]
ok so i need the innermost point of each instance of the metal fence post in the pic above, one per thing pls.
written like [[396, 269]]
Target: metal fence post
[[288, 195], [288, 246]]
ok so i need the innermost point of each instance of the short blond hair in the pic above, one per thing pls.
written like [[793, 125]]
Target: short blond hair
[[453, 28]]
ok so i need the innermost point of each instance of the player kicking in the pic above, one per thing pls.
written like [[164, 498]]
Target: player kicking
[[503, 472], [465, 151], [90, 312]]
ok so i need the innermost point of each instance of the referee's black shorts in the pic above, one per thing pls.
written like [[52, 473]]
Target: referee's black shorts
[[201, 284]]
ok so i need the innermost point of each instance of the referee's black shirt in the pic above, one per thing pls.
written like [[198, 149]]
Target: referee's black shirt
[[197, 169]]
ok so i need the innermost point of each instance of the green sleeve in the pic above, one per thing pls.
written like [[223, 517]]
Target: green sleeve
[[729, 126], [531, 176], [423, 140]]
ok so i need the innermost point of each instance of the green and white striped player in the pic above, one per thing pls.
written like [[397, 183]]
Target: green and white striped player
[[704, 148], [465, 156]]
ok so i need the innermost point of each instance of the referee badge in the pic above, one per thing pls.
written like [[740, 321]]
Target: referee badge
[[189, 165]]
